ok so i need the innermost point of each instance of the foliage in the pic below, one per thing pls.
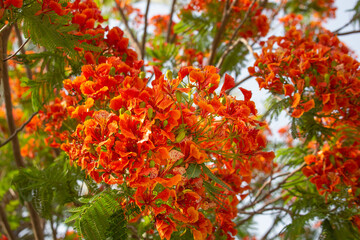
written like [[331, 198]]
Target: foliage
[[118, 147], [100, 217]]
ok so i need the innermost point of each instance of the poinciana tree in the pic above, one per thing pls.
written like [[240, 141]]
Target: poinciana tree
[[131, 132]]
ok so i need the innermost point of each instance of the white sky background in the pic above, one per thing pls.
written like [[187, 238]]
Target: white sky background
[[259, 97]]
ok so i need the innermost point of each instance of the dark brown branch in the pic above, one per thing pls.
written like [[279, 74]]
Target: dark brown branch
[[347, 24], [17, 51], [5, 224], [7, 98], [277, 219], [18, 130], [241, 23], [280, 184], [263, 209], [231, 44], [276, 12], [259, 199], [348, 33], [19, 36], [4, 27], [221, 30], [238, 84], [53, 229], [145, 30], [4, 75], [170, 21], [134, 232], [128, 30], [230, 48]]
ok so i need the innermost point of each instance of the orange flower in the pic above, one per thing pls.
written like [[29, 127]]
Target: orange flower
[[165, 228], [15, 3]]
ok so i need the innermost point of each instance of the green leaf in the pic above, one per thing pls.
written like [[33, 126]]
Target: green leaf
[[97, 218], [193, 171], [208, 172], [180, 136]]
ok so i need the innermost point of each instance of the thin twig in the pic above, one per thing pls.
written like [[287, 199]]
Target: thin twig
[[53, 229], [134, 232], [263, 209], [282, 182], [348, 33], [18, 130], [128, 30], [17, 51], [276, 12], [266, 210], [277, 219], [234, 45], [221, 30], [20, 41], [231, 44], [347, 24], [238, 84], [145, 30], [241, 23], [258, 194], [5, 224], [4, 27], [170, 21]]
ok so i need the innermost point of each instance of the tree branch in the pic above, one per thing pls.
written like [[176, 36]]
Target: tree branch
[[219, 33], [238, 84], [258, 199], [281, 183], [4, 75], [128, 30], [277, 219], [145, 30], [231, 45], [347, 24], [17, 51], [18, 34], [5, 224], [230, 48], [53, 229], [18, 129], [170, 21], [4, 27], [263, 209], [348, 33], [241, 23]]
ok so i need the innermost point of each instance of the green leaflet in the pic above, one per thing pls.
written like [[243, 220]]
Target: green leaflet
[[46, 189], [101, 217], [213, 177], [193, 171], [53, 31]]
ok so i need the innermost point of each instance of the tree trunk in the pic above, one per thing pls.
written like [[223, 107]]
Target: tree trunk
[[34, 217]]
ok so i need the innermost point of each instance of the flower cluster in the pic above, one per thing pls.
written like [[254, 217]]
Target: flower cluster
[[186, 152], [316, 74], [170, 143], [87, 16], [8, 4], [311, 67], [334, 165]]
